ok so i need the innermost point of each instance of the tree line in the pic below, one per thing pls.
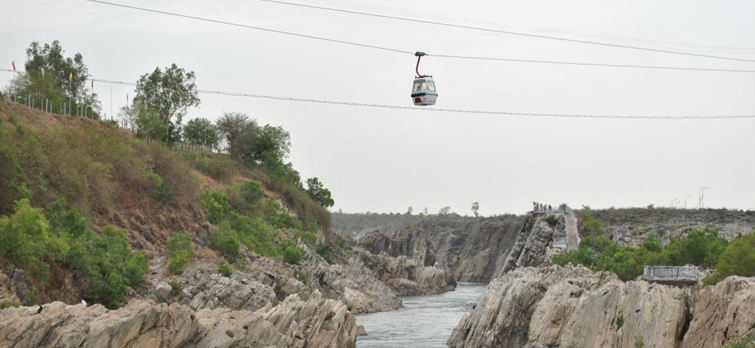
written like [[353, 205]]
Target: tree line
[[162, 100]]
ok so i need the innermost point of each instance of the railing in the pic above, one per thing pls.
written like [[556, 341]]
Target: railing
[[670, 273], [559, 243]]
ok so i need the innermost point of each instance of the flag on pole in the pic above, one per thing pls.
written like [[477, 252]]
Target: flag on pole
[[13, 64]]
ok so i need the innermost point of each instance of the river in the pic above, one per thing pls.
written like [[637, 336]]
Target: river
[[424, 322]]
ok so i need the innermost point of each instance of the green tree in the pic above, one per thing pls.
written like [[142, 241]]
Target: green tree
[[145, 122], [408, 211], [170, 93], [53, 76], [737, 259], [475, 208], [319, 193], [230, 126], [272, 144], [201, 131], [444, 211]]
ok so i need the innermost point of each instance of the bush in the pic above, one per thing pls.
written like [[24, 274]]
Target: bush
[[620, 321], [180, 252], [224, 269], [255, 233], [325, 251], [552, 220], [737, 259], [224, 240], [27, 241], [176, 287], [291, 253], [216, 205], [108, 265], [747, 341], [218, 167], [283, 220], [592, 226], [252, 192], [307, 237]]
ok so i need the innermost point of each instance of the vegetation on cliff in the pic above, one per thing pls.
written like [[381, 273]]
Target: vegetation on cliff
[[702, 247]]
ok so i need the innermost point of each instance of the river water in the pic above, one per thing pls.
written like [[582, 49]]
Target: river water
[[424, 322]]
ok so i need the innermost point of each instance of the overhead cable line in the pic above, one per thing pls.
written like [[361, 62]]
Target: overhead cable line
[[457, 111], [395, 50], [508, 32]]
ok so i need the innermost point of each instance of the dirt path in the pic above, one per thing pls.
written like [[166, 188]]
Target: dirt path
[[572, 235]]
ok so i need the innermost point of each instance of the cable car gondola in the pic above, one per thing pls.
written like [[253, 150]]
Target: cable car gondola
[[423, 89]]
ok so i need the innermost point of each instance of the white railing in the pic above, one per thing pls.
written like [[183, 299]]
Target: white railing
[[670, 273]]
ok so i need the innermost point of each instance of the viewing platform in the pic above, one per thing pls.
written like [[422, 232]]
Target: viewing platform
[[679, 275]]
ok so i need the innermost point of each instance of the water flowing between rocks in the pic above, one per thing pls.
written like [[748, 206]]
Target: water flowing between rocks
[[424, 322]]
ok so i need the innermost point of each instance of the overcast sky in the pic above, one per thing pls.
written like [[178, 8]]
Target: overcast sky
[[387, 160]]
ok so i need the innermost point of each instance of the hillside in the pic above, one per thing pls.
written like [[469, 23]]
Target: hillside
[[90, 191]]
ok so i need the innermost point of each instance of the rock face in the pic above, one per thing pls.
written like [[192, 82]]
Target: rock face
[[469, 249], [574, 307], [406, 276], [293, 323]]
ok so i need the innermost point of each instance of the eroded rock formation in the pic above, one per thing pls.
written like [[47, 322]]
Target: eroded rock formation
[[294, 323], [574, 307]]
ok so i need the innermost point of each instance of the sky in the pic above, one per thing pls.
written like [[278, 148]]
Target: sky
[[383, 160]]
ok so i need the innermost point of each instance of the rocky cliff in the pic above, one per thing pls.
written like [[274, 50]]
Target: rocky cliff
[[293, 323], [471, 250], [574, 307]]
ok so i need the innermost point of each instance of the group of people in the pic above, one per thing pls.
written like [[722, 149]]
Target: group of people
[[541, 207]]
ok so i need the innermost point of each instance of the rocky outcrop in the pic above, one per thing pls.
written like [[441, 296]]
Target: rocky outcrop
[[470, 249], [574, 307], [721, 313], [293, 323], [407, 277]]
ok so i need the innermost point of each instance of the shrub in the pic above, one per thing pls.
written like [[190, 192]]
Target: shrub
[[176, 287], [747, 341], [737, 259], [283, 220], [252, 192], [216, 206], [255, 233], [224, 240], [8, 304], [180, 252], [620, 321], [108, 265], [552, 220], [307, 237], [218, 167], [224, 269], [302, 277], [27, 241], [291, 253], [325, 251], [592, 226], [341, 242]]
